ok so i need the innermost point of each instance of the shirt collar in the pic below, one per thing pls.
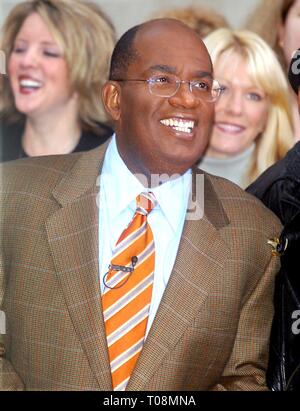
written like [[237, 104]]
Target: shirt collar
[[173, 196], [122, 187]]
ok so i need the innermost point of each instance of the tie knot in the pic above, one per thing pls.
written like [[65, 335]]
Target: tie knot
[[145, 202]]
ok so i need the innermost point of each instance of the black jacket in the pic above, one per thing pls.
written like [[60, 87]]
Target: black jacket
[[11, 139], [279, 189]]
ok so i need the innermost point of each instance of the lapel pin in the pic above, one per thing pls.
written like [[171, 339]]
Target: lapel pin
[[278, 248]]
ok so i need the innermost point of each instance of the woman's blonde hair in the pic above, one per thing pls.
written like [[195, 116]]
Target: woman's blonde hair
[[201, 19], [86, 37], [265, 21], [267, 74]]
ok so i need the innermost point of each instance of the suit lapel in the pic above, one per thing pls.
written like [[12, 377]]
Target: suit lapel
[[73, 238], [199, 261]]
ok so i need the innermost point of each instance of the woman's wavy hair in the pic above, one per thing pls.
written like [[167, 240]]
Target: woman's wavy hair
[[267, 74], [86, 37]]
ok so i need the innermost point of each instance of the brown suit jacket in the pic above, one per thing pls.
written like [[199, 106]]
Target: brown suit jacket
[[212, 327]]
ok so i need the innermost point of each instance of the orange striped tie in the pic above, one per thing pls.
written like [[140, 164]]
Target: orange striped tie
[[127, 294]]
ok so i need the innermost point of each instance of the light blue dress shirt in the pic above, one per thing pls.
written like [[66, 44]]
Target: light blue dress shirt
[[117, 203]]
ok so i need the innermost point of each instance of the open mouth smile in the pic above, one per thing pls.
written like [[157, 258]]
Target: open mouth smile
[[29, 84], [182, 125]]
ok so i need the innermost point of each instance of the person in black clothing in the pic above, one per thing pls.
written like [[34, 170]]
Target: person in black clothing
[[11, 147], [279, 189], [58, 54]]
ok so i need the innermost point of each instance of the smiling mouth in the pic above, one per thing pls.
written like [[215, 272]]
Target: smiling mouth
[[229, 127], [181, 125], [29, 84]]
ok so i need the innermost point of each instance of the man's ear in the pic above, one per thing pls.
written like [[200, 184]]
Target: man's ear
[[111, 95]]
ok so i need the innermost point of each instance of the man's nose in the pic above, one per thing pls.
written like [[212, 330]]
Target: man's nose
[[184, 96]]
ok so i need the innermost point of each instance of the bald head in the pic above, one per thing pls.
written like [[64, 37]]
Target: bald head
[[127, 51], [166, 24]]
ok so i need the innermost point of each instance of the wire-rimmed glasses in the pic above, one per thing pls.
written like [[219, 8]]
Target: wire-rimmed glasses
[[206, 88]]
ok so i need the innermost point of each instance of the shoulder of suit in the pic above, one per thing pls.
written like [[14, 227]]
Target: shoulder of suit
[[44, 170], [33, 166], [239, 204]]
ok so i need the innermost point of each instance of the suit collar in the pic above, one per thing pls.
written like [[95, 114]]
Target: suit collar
[[205, 200], [84, 172], [81, 176]]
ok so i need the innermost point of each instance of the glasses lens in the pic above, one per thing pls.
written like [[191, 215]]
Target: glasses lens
[[163, 86], [216, 90], [206, 89], [166, 86]]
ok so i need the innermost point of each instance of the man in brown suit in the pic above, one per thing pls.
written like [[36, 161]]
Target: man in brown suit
[[211, 324]]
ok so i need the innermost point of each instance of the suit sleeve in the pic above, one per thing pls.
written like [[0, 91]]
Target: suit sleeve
[[9, 379], [246, 368]]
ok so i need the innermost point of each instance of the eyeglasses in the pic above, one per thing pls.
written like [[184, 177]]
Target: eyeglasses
[[206, 89]]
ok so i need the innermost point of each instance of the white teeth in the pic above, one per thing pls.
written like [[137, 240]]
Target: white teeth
[[30, 83], [185, 126], [183, 129]]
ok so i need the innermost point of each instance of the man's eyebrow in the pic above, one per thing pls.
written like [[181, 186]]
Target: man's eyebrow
[[203, 74], [172, 70], [164, 68]]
